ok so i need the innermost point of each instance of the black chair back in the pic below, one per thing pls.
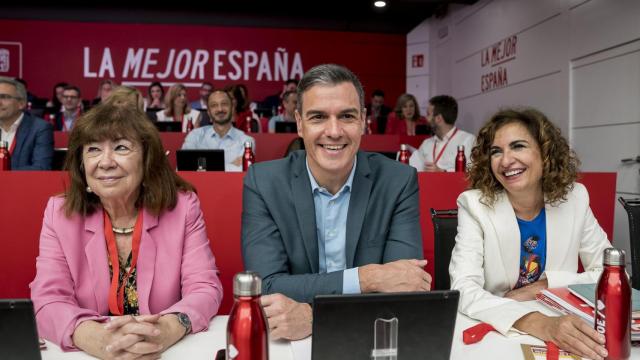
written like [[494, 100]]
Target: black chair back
[[632, 206], [445, 228]]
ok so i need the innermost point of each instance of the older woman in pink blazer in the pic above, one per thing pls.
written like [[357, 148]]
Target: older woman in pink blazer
[[125, 269]]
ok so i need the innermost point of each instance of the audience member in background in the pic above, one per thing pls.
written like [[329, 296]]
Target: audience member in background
[[104, 90], [522, 228], [274, 101], [71, 108], [438, 153], [177, 108], [155, 97], [221, 134], [378, 112], [30, 138], [201, 103], [243, 112], [295, 231], [31, 99], [127, 240], [56, 97], [405, 117], [289, 103], [127, 97]]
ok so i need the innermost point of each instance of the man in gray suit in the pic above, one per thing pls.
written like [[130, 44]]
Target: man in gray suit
[[333, 219]]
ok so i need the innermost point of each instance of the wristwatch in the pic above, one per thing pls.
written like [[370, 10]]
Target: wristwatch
[[183, 319]]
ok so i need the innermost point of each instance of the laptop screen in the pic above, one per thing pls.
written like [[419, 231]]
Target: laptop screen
[[414, 325], [18, 332], [200, 160]]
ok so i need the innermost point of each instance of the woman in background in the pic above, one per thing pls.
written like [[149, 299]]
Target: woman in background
[[405, 117], [177, 108], [155, 97]]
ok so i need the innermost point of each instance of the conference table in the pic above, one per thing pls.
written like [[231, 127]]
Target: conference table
[[204, 345]]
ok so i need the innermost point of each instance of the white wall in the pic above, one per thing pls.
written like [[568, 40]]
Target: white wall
[[576, 60]]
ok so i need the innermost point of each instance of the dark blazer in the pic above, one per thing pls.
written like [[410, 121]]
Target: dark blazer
[[34, 149], [279, 238]]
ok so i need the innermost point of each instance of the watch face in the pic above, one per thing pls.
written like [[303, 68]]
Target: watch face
[[184, 320]]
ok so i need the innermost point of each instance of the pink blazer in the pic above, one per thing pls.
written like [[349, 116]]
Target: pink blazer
[[176, 270]]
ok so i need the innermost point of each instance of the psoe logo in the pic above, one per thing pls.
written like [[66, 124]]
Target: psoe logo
[[10, 59]]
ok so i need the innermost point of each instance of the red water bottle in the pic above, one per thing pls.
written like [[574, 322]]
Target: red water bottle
[[404, 154], [247, 158], [461, 160], [368, 131], [248, 124], [247, 335], [5, 158], [613, 306], [189, 125]]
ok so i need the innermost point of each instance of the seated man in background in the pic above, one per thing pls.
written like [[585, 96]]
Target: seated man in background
[[29, 139], [220, 135], [438, 153], [71, 108], [331, 219], [377, 111], [289, 103], [201, 103]]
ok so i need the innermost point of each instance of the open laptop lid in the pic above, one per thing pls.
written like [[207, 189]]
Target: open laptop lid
[[344, 325], [200, 160], [286, 127], [168, 126], [18, 332]]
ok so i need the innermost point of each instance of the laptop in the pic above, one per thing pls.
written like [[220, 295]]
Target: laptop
[[168, 126], [417, 325], [423, 129], [200, 160], [18, 332], [59, 157], [286, 127]]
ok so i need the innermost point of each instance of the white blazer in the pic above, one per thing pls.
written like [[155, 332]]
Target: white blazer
[[486, 258]]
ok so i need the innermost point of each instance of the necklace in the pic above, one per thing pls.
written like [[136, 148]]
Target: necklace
[[124, 231]]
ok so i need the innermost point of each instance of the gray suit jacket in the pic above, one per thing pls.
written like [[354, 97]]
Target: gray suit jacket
[[34, 146], [279, 238]]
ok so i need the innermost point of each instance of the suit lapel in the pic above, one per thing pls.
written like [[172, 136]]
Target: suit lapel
[[504, 222], [559, 225], [146, 262], [305, 210], [97, 259], [360, 191], [23, 131]]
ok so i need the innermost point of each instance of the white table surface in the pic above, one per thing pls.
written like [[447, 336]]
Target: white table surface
[[204, 345]]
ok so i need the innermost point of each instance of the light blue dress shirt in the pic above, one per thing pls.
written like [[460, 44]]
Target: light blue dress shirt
[[232, 143], [331, 229]]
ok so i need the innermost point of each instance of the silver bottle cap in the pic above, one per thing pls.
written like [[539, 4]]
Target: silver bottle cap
[[247, 144], [4, 144], [613, 256], [403, 147], [460, 147], [247, 283]]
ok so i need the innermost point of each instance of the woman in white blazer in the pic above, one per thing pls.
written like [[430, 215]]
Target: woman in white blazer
[[522, 228]]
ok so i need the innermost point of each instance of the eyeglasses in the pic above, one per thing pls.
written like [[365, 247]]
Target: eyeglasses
[[9, 97]]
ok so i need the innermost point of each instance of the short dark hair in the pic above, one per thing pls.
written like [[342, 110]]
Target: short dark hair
[[206, 83], [328, 74], [377, 92], [291, 81], [220, 91], [74, 88], [446, 106], [160, 183]]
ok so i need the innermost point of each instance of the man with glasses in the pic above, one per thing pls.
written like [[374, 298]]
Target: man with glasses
[[30, 139], [71, 108]]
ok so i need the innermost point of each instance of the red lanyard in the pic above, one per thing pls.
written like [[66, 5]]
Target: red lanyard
[[13, 142], [116, 295], [435, 159], [476, 333]]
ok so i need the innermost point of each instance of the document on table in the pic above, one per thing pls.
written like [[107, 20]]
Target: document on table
[[301, 349], [535, 352]]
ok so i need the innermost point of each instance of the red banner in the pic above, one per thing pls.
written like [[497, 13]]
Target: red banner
[[46, 52]]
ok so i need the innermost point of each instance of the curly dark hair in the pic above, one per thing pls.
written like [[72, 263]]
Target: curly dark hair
[[560, 163]]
